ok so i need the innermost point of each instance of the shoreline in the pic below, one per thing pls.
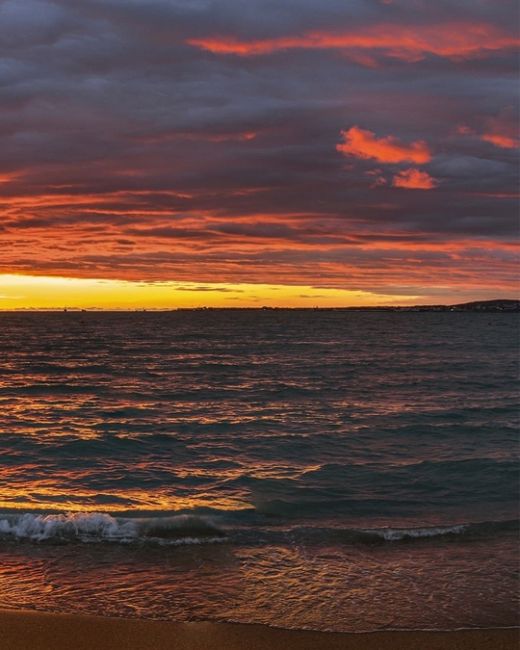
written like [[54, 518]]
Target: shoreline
[[33, 630]]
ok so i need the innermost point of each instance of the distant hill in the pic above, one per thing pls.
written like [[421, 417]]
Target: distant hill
[[489, 305], [500, 305]]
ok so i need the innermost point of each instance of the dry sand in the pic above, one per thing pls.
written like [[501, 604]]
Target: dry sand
[[40, 631]]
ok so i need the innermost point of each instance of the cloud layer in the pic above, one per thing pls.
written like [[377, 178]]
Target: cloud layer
[[266, 141]]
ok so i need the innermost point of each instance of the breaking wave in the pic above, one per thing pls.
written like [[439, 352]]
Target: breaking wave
[[102, 527], [399, 534]]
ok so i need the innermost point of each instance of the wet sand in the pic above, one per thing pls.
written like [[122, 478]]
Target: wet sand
[[22, 630]]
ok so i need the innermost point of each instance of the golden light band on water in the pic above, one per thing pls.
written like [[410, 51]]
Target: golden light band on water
[[51, 499]]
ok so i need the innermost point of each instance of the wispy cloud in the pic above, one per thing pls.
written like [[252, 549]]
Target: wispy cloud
[[409, 42]]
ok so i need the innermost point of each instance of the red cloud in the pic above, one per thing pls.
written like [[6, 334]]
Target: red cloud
[[407, 42], [364, 144], [414, 179], [499, 140]]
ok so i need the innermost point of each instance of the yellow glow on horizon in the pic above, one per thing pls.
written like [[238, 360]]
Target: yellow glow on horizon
[[50, 292]]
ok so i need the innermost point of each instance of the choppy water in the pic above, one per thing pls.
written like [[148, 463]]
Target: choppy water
[[330, 470]]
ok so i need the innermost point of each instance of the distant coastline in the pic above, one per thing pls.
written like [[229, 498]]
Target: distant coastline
[[480, 306], [488, 306]]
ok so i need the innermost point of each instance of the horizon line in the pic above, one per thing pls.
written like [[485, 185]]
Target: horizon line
[[66, 309]]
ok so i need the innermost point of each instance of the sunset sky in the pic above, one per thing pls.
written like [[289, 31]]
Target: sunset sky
[[163, 153]]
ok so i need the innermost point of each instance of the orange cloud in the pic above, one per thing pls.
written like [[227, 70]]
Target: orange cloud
[[407, 42], [364, 144], [414, 179], [500, 140]]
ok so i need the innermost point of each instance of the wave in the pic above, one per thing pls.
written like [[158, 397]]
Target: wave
[[181, 529], [399, 534], [470, 530], [466, 531], [102, 527]]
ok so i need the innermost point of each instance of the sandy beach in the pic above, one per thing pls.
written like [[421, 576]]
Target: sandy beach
[[24, 630]]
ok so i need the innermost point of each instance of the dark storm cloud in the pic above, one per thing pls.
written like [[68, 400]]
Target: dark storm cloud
[[118, 115]]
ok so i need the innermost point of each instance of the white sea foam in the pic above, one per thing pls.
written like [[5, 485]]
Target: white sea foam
[[102, 527], [397, 534]]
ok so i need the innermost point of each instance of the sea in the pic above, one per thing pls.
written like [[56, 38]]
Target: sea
[[310, 469]]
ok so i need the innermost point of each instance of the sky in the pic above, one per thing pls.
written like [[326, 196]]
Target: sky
[[163, 153]]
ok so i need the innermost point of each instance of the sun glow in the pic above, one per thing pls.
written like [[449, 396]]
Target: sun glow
[[46, 292]]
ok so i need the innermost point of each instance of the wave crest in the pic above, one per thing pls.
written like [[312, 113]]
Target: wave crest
[[102, 527], [399, 534]]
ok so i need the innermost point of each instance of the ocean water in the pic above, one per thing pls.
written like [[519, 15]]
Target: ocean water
[[327, 470]]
